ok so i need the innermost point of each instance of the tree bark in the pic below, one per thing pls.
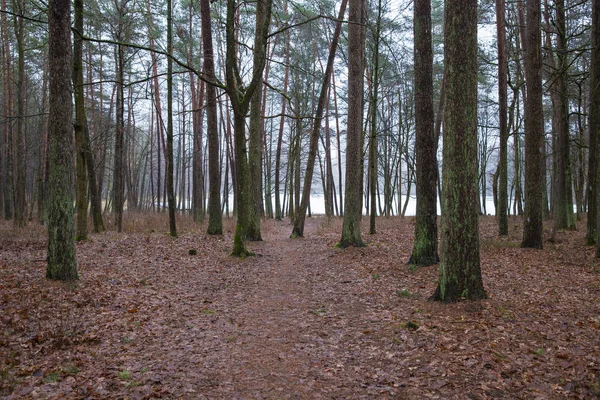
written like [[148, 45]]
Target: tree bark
[[425, 242], [460, 271], [373, 151], [593, 220], [353, 192], [534, 130], [240, 101], [80, 159], [169, 159], [215, 216], [502, 206], [118, 172], [20, 165], [62, 263]]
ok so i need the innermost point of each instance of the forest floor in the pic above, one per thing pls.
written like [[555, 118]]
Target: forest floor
[[300, 320]]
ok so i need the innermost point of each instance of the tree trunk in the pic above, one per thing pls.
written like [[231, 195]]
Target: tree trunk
[[460, 271], [169, 158], [425, 242], [353, 191], [255, 143], [593, 220], [373, 153], [215, 216], [298, 229], [563, 209], [534, 130], [118, 172], [62, 263], [278, 207], [240, 101], [502, 206], [20, 166], [80, 159]]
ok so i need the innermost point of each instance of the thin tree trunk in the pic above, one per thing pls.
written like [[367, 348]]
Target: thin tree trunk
[[20, 164], [80, 123], [169, 159], [298, 229], [593, 220], [502, 206]]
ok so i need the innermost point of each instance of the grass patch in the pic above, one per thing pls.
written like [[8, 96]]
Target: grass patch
[[124, 375], [51, 377]]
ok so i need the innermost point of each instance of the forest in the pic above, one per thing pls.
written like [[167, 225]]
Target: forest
[[299, 199]]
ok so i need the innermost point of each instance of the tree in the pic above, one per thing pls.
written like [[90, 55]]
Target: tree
[[502, 209], [594, 127], [21, 162], [79, 125], [170, 171], [353, 190], [240, 96], [298, 229], [460, 271], [373, 175], [562, 196], [62, 263], [534, 129], [255, 141], [425, 242], [215, 217]]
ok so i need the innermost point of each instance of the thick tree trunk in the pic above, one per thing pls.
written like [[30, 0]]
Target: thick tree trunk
[[425, 242], [353, 191], [460, 271], [62, 263], [534, 130]]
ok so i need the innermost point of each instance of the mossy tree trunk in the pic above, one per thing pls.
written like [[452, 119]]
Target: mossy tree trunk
[[425, 243], [240, 96], [534, 130], [594, 123], [62, 263], [353, 191], [460, 271], [215, 216], [502, 207]]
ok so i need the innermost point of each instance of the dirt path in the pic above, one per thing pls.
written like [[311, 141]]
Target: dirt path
[[301, 320]]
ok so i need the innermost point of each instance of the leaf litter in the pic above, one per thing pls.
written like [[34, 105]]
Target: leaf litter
[[149, 318]]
